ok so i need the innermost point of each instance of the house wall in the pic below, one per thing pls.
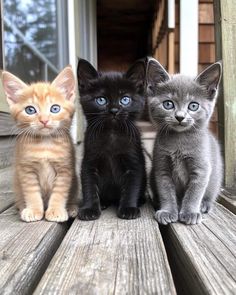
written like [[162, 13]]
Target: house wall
[[206, 34], [206, 45], [206, 42]]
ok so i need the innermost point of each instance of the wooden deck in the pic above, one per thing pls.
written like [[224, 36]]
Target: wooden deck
[[111, 255]]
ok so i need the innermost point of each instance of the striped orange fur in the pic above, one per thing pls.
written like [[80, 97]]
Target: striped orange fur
[[45, 176]]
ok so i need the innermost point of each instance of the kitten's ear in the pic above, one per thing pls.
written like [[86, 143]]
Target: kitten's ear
[[85, 73], [137, 74], [65, 83], [155, 74], [12, 87], [210, 78]]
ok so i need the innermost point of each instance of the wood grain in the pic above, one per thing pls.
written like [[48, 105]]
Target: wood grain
[[228, 200], [6, 151], [6, 179], [110, 256], [206, 15], [206, 34], [6, 173], [228, 30], [6, 200], [25, 251], [148, 146], [204, 255], [7, 125]]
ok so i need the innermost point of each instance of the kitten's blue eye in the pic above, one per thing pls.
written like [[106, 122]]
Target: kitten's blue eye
[[168, 105], [101, 101], [30, 110], [193, 106], [125, 100], [55, 109]]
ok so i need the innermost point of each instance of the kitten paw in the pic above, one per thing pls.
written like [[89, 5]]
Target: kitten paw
[[56, 214], [165, 217], [128, 213], [89, 214], [206, 206], [72, 211], [190, 217], [30, 215], [105, 205]]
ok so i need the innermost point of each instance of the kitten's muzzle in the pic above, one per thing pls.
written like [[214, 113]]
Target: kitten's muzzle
[[114, 111]]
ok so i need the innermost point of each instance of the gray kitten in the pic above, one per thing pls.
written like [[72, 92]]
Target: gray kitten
[[187, 166]]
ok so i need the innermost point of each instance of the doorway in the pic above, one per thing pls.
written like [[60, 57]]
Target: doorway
[[123, 32]]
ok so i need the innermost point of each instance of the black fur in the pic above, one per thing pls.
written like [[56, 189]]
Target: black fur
[[113, 167]]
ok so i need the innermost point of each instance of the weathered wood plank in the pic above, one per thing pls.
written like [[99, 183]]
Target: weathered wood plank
[[6, 195], [6, 151], [6, 200], [228, 200], [148, 146], [110, 256], [204, 255], [225, 20], [7, 125], [6, 179], [25, 251]]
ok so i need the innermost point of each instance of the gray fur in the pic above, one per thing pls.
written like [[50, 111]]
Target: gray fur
[[187, 165]]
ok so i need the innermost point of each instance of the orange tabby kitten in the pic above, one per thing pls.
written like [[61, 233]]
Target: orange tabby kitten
[[45, 176]]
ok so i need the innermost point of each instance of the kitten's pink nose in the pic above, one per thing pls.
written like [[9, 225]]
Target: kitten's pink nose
[[44, 122]]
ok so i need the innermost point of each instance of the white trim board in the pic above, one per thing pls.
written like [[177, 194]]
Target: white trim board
[[189, 37], [82, 32]]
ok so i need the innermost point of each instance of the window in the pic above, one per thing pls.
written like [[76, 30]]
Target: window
[[35, 38]]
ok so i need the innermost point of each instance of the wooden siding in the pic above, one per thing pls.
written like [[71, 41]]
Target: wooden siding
[[206, 34], [160, 40]]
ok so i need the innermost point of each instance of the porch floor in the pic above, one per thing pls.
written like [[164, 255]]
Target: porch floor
[[111, 255]]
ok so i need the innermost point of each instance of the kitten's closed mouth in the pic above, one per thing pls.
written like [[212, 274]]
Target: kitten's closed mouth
[[181, 126], [114, 118], [46, 127]]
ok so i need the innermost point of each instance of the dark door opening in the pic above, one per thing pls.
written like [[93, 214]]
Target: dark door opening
[[124, 32]]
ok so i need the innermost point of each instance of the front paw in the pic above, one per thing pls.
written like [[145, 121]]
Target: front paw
[[30, 215], [165, 217], [190, 217], [56, 214], [128, 212], [206, 206], [89, 213], [72, 211]]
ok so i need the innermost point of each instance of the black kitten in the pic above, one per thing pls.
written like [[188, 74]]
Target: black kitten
[[113, 167]]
